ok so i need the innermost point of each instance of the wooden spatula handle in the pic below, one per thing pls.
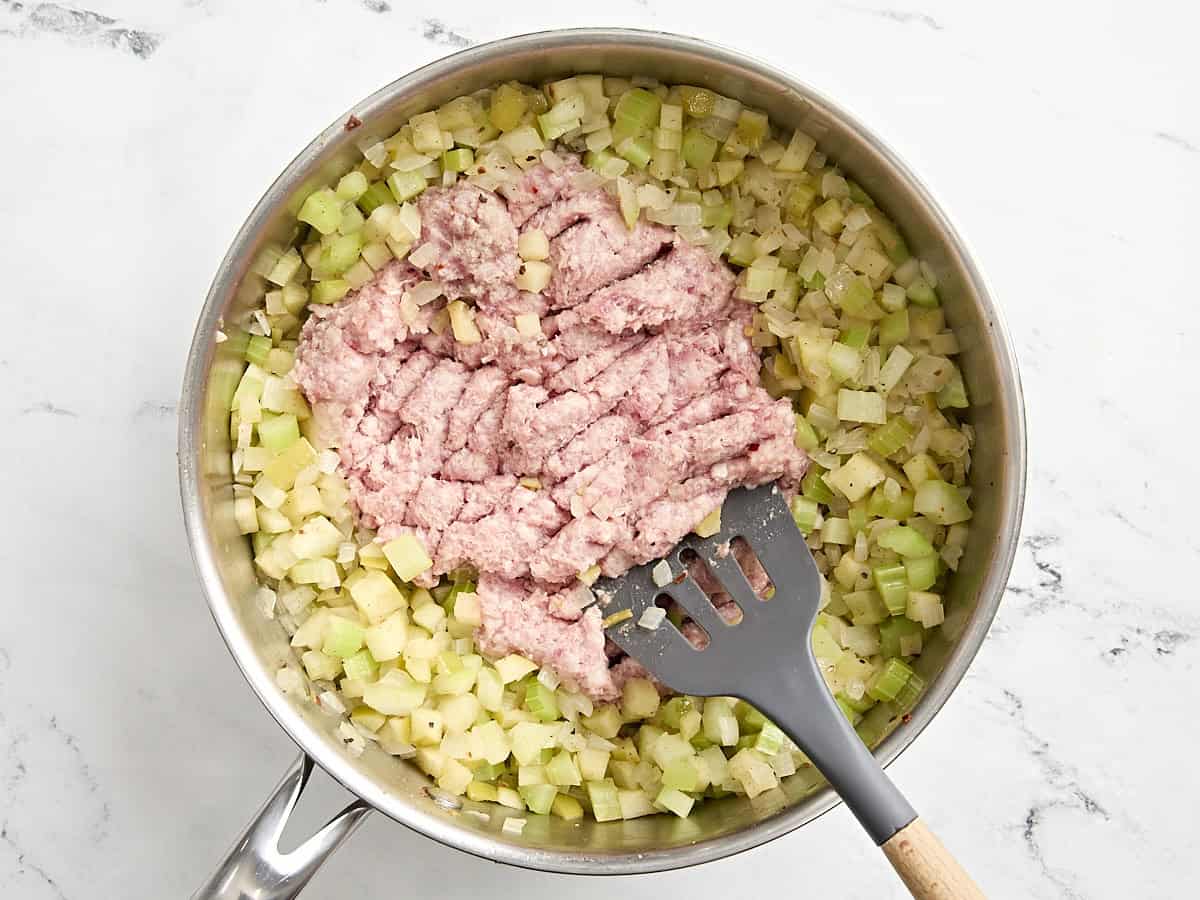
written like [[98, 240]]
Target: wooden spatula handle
[[926, 867]]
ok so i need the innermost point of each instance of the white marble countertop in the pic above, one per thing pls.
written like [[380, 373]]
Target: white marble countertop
[[1063, 138]]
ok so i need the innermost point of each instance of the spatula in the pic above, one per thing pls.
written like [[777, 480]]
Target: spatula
[[766, 658]]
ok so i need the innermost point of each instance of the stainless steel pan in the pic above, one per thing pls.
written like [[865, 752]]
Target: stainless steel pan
[[254, 868]]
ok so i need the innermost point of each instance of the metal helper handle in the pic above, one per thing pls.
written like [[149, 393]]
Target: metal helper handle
[[255, 869]]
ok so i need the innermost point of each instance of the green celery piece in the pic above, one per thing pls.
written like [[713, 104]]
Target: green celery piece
[[698, 149], [805, 436], [921, 293], [361, 666], [697, 102], [485, 771], [375, 196], [893, 328], [892, 584], [636, 151], [857, 517], [603, 797], [329, 291], [770, 739], [804, 514], [457, 160], [277, 433], [889, 680], [322, 210], [343, 638], [817, 282], [406, 185], [888, 439], [509, 104], [671, 712], [540, 701], [257, 348], [749, 718], [900, 509], [891, 631], [904, 540], [813, 486], [847, 710], [860, 706], [856, 336], [638, 108], [741, 250], [799, 199], [538, 797], [922, 572], [953, 393], [340, 253], [941, 502], [910, 693], [681, 774], [717, 215]]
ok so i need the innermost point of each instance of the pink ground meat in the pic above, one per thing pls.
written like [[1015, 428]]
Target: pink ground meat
[[637, 409]]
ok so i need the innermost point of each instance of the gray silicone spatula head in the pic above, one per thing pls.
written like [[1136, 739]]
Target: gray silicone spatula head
[[763, 656], [743, 653]]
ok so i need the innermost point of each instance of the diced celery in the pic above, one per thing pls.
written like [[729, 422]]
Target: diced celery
[[893, 328], [329, 291], [941, 502], [699, 149], [540, 701], [925, 608], [514, 667], [376, 195], [639, 108], [886, 683], [893, 632], [813, 485], [539, 797], [635, 803], [603, 796], [954, 393], [509, 104], [593, 764], [922, 572], [753, 772], [257, 348], [904, 540], [639, 699], [770, 740], [387, 639], [921, 293], [566, 807], [675, 801], [805, 435], [376, 595], [861, 406], [341, 253], [890, 438], [892, 583], [427, 727], [562, 771], [921, 468], [361, 667], [322, 210], [866, 607], [636, 150], [907, 698], [856, 477], [406, 185], [407, 557], [395, 694], [805, 513], [720, 724]]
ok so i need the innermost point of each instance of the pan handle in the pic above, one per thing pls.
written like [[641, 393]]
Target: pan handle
[[255, 869]]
